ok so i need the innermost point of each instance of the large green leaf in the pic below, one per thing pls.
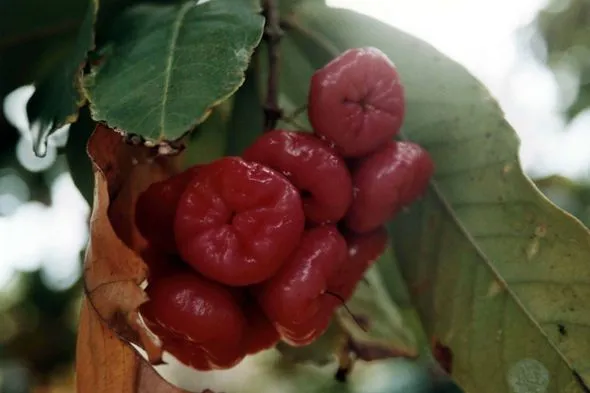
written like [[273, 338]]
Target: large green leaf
[[209, 140], [57, 97], [499, 274], [168, 65], [287, 6]]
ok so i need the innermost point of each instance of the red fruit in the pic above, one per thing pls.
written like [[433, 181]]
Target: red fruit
[[156, 207], [308, 331], [195, 355], [221, 356], [161, 263], [238, 221], [357, 101], [260, 332], [312, 166], [294, 295], [363, 250], [187, 353], [188, 311], [386, 181]]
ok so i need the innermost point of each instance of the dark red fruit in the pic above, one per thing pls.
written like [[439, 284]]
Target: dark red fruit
[[363, 250], [260, 332], [194, 355], [357, 101], [386, 181], [160, 263], [187, 353], [238, 221], [294, 295], [308, 331], [156, 208], [312, 166], [221, 356], [191, 314]]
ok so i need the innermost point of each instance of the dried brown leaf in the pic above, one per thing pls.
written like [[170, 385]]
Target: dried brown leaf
[[113, 271], [105, 363]]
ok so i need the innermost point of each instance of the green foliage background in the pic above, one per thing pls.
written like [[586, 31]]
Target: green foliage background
[[565, 28]]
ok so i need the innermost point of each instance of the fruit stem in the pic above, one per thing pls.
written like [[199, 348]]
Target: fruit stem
[[292, 116], [272, 36], [360, 324]]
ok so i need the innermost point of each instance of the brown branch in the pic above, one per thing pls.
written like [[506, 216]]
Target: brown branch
[[272, 36]]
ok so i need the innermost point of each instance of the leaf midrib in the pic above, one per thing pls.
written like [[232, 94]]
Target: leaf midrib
[[495, 272], [183, 10]]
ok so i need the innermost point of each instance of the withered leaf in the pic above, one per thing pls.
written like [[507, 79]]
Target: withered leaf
[[105, 363], [114, 271]]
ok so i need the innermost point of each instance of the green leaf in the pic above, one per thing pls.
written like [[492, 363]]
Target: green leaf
[[77, 157], [386, 327], [209, 140], [168, 65], [498, 273], [369, 319], [395, 287], [57, 97], [573, 197], [288, 6], [247, 119]]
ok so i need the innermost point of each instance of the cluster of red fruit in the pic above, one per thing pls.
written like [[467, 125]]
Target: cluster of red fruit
[[269, 244]]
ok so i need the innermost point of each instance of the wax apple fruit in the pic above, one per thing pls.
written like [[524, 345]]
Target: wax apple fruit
[[237, 221], [312, 166], [356, 101], [386, 181], [156, 208]]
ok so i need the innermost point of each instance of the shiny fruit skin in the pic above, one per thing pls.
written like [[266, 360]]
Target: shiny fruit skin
[[155, 210], [295, 299], [363, 250], [185, 307], [238, 221], [386, 181], [312, 166], [357, 101]]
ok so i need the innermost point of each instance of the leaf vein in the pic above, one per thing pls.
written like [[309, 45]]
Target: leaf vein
[[570, 283], [469, 169], [564, 322], [170, 61]]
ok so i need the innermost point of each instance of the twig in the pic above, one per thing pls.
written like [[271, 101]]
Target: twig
[[293, 123], [272, 36], [292, 116], [361, 322]]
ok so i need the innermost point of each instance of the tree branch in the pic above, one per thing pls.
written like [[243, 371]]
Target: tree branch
[[272, 36]]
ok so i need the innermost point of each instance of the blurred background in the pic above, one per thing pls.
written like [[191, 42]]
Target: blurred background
[[533, 55]]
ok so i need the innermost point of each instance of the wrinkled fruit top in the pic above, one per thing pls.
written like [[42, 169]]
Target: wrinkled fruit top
[[237, 221], [357, 101]]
